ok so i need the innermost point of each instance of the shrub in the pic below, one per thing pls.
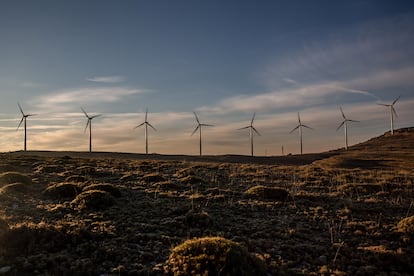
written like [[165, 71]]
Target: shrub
[[198, 219], [406, 225], [63, 190], [264, 192], [153, 177], [93, 199], [27, 238], [114, 191], [13, 188], [212, 256], [14, 177], [191, 179]]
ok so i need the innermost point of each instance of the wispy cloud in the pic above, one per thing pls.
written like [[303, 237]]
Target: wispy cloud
[[62, 100], [107, 79]]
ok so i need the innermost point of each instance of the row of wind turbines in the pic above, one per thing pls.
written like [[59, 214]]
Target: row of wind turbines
[[250, 127]]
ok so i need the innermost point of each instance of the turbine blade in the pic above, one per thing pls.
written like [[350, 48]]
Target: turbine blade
[[254, 115], [86, 114], [206, 125], [146, 115], [198, 121], [93, 117], [21, 110], [243, 128], [255, 130], [295, 128], [299, 118], [87, 124], [151, 126], [355, 121], [140, 125], [343, 122], [195, 130], [396, 100], [343, 115], [393, 111], [21, 121], [383, 104], [307, 126]]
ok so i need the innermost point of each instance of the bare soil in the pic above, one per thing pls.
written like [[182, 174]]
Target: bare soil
[[334, 213]]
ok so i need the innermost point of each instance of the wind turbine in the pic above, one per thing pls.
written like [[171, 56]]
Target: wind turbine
[[392, 112], [89, 123], [252, 129], [344, 123], [146, 123], [24, 117], [199, 125], [299, 126]]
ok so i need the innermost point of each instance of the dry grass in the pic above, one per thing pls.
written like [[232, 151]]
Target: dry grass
[[345, 213]]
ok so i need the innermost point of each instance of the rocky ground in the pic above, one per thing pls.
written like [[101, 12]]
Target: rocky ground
[[68, 214]]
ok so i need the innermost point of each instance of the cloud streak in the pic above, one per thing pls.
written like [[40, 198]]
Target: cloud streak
[[107, 79], [64, 99]]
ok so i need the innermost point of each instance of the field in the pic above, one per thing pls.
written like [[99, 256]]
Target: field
[[335, 213]]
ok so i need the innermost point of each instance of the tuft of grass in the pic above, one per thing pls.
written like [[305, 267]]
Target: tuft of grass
[[63, 190], [93, 200], [198, 219], [114, 191], [212, 256], [13, 188], [191, 180], [406, 225], [14, 177], [153, 178], [264, 192]]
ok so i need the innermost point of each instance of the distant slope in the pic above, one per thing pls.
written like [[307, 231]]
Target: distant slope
[[385, 151], [396, 151]]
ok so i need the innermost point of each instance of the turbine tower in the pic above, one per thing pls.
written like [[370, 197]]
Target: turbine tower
[[89, 123], [300, 126], [345, 125], [252, 129], [392, 112], [146, 123], [199, 125], [24, 117]]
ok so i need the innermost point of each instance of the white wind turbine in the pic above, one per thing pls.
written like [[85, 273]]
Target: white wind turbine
[[345, 124], [252, 129], [299, 126], [24, 117], [392, 112], [89, 123], [199, 125], [146, 123]]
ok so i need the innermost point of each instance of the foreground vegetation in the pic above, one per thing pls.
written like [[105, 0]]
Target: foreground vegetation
[[350, 213]]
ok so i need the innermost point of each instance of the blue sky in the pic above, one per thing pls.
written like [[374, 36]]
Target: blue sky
[[222, 59]]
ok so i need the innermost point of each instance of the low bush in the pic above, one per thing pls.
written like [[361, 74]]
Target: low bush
[[153, 178], [93, 199], [212, 256], [14, 177], [406, 225], [264, 192], [13, 188], [63, 190], [114, 191]]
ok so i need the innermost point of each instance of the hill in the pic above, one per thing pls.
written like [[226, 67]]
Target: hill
[[385, 151]]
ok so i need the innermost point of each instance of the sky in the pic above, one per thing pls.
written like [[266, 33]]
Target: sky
[[224, 59]]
